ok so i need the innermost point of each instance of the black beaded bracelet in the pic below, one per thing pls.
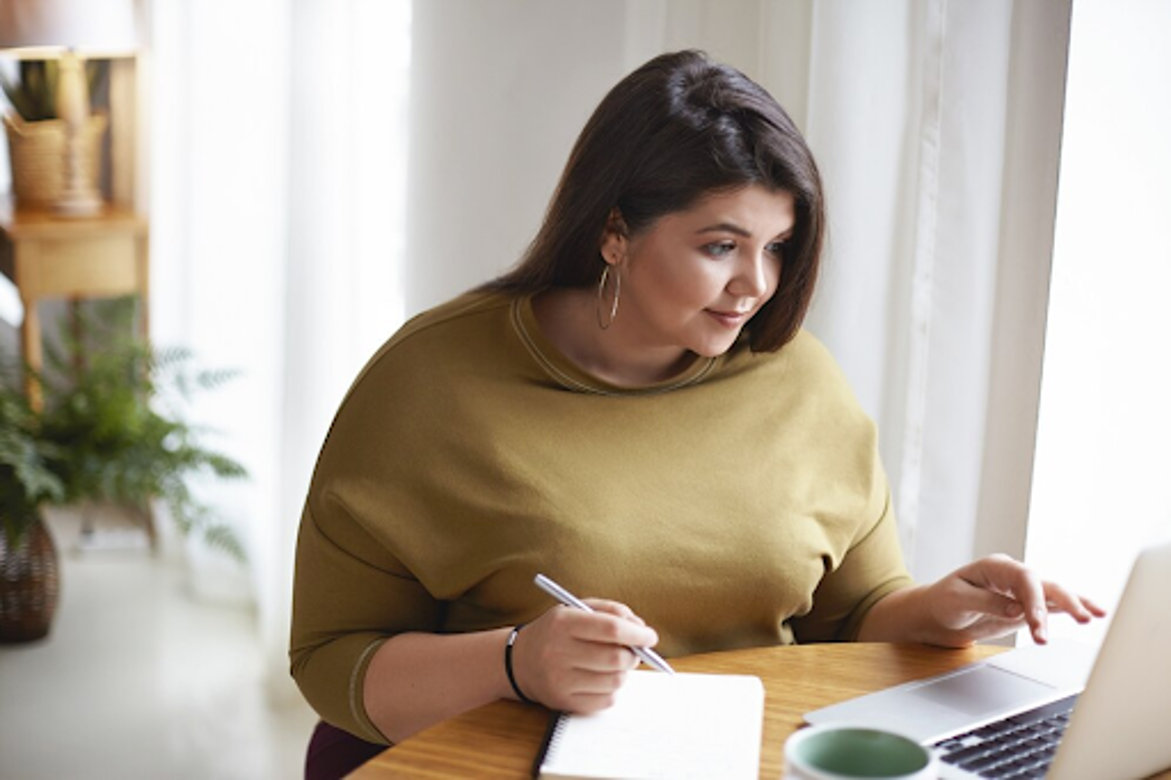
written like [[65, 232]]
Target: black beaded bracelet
[[508, 665]]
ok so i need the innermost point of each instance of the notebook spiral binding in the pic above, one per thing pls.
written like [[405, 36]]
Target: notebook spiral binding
[[550, 741]]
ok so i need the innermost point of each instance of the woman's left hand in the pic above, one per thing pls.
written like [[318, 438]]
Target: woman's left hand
[[996, 595]]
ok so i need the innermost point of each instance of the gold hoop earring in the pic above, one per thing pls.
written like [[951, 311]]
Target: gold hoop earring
[[603, 323]]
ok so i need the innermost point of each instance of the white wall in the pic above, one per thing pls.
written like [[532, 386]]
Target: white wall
[[500, 91]]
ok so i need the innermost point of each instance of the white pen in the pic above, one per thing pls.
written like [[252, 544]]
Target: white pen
[[650, 657]]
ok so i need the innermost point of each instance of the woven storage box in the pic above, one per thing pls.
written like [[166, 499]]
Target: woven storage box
[[37, 153]]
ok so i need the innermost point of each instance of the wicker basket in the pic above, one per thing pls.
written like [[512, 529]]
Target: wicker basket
[[28, 585], [37, 154]]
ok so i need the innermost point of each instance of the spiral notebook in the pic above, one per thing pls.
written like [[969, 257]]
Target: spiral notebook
[[662, 726]]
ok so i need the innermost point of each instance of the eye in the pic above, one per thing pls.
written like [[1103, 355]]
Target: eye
[[776, 248], [719, 249]]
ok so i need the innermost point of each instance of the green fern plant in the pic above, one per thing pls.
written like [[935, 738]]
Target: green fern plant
[[114, 422], [26, 478]]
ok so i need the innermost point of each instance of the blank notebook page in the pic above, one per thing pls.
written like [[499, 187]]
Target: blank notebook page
[[663, 726]]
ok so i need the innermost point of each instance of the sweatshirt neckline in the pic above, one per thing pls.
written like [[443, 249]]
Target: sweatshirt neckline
[[569, 375]]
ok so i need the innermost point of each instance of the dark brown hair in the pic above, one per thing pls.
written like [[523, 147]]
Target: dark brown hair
[[679, 128]]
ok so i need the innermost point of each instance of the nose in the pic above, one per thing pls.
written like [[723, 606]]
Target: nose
[[752, 275]]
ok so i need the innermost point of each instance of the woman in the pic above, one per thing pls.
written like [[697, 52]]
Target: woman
[[635, 412]]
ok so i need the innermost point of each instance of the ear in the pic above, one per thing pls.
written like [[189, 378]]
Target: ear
[[614, 238]]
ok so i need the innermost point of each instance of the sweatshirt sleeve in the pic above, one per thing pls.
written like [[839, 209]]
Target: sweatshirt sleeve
[[348, 598], [871, 569]]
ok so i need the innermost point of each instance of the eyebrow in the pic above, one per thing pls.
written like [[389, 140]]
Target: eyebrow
[[729, 227], [725, 227]]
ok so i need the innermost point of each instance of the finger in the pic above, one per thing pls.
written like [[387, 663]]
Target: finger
[[1059, 599], [603, 657], [1095, 609], [1002, 574], [616, 608], [586, 703], [585, 682], [993, 604], [608, 629], [992, 628], [586, 692]]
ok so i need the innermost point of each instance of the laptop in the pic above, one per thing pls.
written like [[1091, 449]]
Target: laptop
[[1048, 711]]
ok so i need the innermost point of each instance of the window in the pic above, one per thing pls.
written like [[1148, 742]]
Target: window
[[1102, 480]]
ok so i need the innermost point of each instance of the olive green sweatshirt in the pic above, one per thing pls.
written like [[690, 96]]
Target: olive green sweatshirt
[[739, 504]]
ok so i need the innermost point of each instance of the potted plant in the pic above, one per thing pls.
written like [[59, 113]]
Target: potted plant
[[37, 137], [110, 430], [28, 559], [114, 419]]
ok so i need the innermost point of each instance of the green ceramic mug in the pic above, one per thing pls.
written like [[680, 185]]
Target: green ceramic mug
[[851, 753]]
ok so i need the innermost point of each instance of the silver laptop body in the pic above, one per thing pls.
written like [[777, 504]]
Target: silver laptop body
[[1121, 725]]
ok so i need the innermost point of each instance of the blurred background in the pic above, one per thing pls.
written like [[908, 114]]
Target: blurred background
[[304, 175]]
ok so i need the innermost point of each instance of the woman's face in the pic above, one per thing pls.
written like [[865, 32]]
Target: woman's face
[[693, 279]]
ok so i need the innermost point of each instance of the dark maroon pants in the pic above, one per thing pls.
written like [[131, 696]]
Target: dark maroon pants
[[334, 753]]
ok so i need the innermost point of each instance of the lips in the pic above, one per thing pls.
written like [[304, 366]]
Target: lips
[[730, 319]]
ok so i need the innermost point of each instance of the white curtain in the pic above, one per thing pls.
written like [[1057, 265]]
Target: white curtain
[[278, 142], [938, 123], [291, 237]]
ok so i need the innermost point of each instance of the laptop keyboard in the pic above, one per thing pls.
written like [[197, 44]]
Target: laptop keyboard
[[1021, 746]]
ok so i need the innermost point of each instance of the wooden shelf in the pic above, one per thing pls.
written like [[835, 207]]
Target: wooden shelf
[[50, 256]]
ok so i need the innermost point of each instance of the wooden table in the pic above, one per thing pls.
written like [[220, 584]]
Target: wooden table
[[50, 256], [502, 739]]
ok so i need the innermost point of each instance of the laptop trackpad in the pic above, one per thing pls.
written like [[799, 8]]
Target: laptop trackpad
[[981, 692], [940, 706]]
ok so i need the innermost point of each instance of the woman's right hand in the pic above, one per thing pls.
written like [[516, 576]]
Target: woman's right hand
[[574, 661]]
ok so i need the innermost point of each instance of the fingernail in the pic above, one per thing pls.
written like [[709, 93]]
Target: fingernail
[[1014, 610]]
